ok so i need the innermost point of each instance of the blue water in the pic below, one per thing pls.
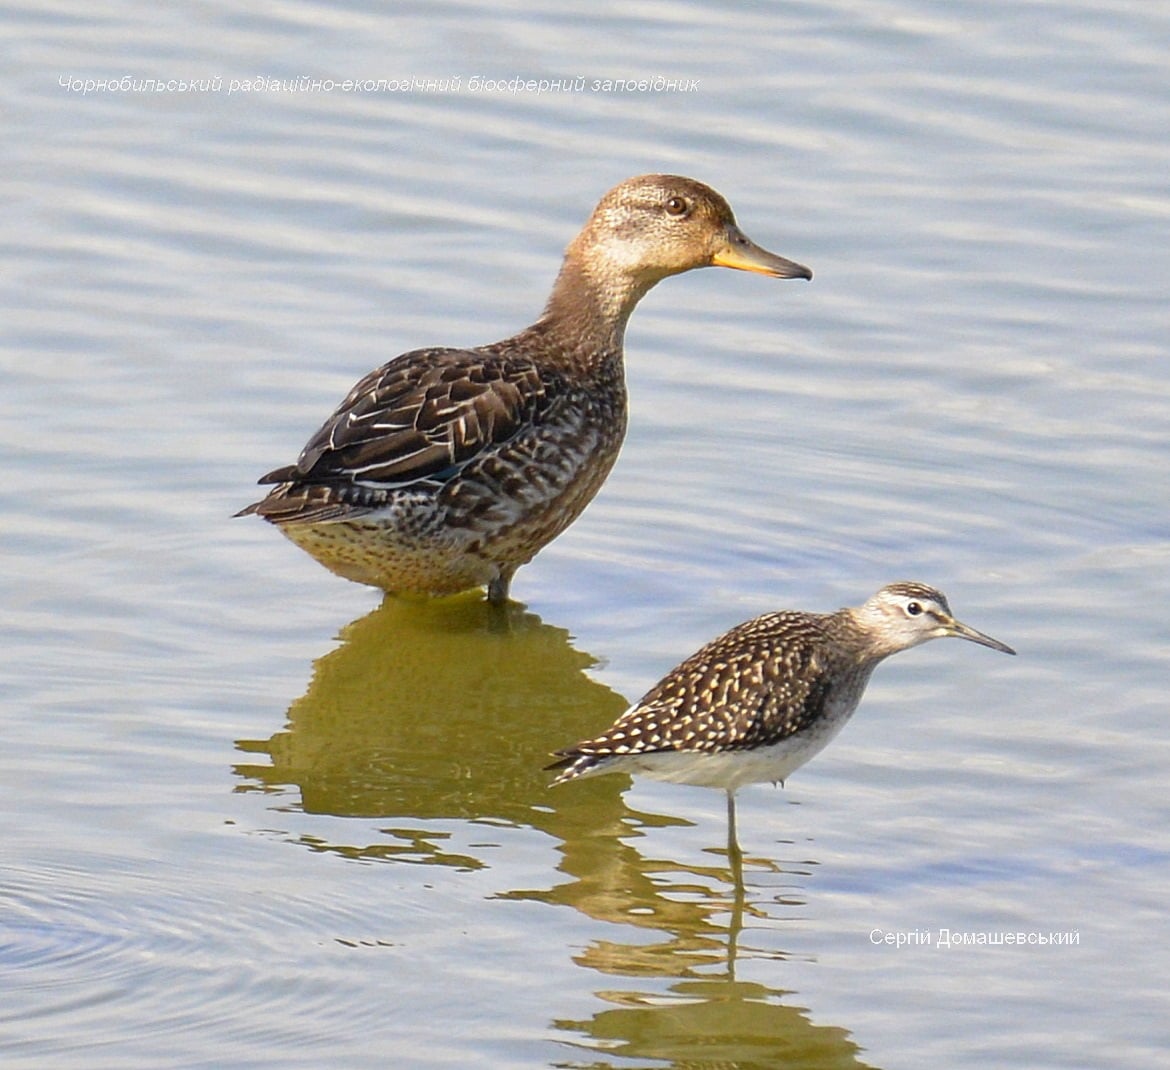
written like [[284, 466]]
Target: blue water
[[253, 817]]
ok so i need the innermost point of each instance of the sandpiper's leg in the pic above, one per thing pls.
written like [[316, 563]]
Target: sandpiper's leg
[[734, 854], [498, 589], [735, 922]]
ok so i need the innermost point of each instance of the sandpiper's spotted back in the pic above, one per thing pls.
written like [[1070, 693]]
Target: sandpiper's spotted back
[[450, 468], [761, 700]]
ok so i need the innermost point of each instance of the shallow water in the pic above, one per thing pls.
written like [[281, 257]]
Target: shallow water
[[255, 817]]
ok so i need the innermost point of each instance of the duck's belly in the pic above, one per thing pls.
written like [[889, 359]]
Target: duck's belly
[[469, 533], [379, 552]]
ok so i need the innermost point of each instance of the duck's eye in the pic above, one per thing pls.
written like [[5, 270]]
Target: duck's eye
[[913, 608], [677, 206]]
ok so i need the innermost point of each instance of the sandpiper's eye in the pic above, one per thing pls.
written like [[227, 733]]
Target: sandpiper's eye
[[677, 206], [913, 608]]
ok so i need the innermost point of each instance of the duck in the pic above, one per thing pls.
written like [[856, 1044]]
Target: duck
[[446, 469]]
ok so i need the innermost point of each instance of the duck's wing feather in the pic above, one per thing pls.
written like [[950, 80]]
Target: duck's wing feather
[[423, 416]]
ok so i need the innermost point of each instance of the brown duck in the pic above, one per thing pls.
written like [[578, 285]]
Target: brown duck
[[447, 469]]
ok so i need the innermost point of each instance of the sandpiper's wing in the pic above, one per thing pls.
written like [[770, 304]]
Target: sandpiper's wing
[[759, 683]]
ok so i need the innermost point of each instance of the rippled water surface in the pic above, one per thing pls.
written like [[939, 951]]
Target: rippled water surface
[[255, 817]]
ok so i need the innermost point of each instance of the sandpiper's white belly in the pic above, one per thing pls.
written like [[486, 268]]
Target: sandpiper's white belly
[[731, 769]]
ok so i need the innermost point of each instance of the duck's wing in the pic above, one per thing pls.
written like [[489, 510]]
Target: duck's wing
[[423, 416]]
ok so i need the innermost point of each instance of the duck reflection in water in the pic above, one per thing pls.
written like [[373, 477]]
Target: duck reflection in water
[[434, 710]]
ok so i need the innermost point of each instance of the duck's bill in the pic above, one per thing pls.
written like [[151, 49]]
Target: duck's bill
[[743, 254], [962, 631]]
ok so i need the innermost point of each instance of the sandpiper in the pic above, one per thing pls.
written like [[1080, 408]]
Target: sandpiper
[[762, 699]]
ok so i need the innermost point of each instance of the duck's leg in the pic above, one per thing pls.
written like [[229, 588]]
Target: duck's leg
[[497, 592]]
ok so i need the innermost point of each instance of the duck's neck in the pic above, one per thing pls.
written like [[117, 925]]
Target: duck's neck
[[585, 318]]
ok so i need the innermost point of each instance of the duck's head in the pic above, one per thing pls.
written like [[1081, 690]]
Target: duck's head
[[653, 226]]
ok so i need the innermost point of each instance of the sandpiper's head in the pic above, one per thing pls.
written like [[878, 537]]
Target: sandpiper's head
[[902, 615], [652, 226]]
